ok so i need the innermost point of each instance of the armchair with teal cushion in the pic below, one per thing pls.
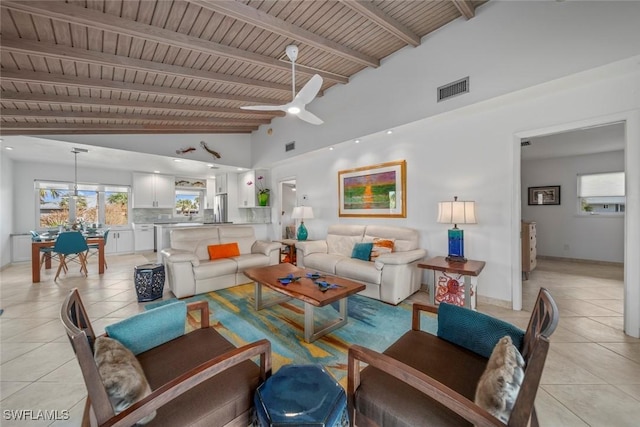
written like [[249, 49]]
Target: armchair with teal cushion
[[71, 246], [425, 378], [197, 378]]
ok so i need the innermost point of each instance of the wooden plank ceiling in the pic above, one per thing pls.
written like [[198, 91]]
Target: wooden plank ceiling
[[141, 66]]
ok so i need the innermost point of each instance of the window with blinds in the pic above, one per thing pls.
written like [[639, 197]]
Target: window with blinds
[[601, 193]]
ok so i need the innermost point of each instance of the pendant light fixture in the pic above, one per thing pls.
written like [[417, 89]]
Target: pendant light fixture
[[75, 152]]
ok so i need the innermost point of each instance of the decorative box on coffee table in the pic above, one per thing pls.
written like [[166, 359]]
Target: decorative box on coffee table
[[149, 281], [299, 395]]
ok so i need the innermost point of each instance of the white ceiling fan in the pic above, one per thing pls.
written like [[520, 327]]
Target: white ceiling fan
[[305, 96]]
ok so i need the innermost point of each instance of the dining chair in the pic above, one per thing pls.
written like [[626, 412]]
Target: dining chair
[[71, 246], [46, 252], [95, 247]]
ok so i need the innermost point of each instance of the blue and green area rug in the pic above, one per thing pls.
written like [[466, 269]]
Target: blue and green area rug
[[371, 323]]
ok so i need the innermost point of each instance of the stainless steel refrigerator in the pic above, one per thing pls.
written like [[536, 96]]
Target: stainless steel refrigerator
[[220, 208]]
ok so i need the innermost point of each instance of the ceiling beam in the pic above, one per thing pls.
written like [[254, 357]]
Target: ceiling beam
[[84, 101], [15, 113], [33, 128], [31, 47], [374, 14], [465, 7], [260, 19], [103, 21], [37, 77]]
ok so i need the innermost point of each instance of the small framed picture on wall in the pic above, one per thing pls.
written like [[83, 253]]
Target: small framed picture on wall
[[549, 195]]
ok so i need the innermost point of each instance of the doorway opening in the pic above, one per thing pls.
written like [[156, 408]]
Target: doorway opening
[[288, 202], [567, 232]]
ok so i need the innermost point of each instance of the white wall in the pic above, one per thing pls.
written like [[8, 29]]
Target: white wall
[[235, 149], [25, 173], [467, 153], [507, 46], [561, 231], [474, 151], [6, 208]]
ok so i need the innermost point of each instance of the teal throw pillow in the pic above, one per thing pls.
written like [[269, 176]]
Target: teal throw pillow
[[475, 331], [151, 328], [362, 251]]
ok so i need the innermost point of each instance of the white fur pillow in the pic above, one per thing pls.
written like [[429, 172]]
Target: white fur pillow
[[121, 374], [500, 383]]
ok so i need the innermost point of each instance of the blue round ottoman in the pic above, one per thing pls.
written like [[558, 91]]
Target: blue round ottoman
[[301, 395]]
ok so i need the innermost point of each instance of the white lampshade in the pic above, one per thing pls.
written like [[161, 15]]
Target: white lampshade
[[457, 212], [302, 212]]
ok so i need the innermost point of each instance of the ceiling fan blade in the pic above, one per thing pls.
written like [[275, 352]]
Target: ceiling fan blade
[[309, 117], [265, 107], [310, 90]]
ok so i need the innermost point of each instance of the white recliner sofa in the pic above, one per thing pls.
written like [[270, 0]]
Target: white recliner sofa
[[391, 278], [189, 270]]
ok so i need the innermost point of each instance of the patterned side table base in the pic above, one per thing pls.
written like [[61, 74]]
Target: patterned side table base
[[149, 281]]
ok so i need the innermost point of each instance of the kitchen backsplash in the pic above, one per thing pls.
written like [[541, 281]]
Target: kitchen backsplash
[[151, 216]]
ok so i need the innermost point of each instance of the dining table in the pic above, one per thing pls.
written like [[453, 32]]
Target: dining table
[[46, 241]]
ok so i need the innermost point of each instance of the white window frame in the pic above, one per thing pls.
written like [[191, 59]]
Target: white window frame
[[612, 192], [100, 188], [201, 202]]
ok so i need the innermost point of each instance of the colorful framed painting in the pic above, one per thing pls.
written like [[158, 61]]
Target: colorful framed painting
[[373, 191], [549, 195]]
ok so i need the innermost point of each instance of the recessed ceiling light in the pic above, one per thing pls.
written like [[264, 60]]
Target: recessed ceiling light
[[177, 160], [330, 148], [156, 171], [357, 141], [210, 165], [8, 148], [389, 132], [240, 169]]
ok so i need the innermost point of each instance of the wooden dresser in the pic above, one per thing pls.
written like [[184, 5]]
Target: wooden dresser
[[528, 248]]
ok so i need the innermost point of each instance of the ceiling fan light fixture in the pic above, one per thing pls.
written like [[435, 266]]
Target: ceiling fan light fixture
[[299, 101]]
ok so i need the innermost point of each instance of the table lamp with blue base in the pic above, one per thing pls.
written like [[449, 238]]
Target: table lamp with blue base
[[456, 212], [302, 213]]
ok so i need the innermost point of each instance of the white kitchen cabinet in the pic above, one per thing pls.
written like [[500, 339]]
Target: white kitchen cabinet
[[143, 237], [210, 194], [20, 248], [119, 241], [248, 194], [153, 191], [222, 183]]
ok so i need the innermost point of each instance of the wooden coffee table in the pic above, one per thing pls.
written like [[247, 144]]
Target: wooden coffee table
[[305, 290]]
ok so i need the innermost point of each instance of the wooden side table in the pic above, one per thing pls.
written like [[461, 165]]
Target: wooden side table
[[291, 244], [451, 291]]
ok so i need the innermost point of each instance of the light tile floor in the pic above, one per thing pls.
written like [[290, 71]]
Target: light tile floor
[[592, 375]]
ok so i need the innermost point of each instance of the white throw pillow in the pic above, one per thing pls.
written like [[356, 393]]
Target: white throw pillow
[[121, 374], [500, 383]]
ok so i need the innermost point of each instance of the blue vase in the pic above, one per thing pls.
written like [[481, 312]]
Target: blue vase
[[302, 232]]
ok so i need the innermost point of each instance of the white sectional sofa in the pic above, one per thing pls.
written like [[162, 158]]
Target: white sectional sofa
[[189, 270], [391, 278]]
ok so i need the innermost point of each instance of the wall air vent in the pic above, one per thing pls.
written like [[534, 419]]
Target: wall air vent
[[290, 146], [525, 143], [453, 89]]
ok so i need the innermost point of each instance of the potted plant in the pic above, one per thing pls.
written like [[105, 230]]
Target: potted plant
[[263, 191]]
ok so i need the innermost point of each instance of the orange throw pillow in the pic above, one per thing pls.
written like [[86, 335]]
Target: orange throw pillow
[[381, 246], [226, 250]]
